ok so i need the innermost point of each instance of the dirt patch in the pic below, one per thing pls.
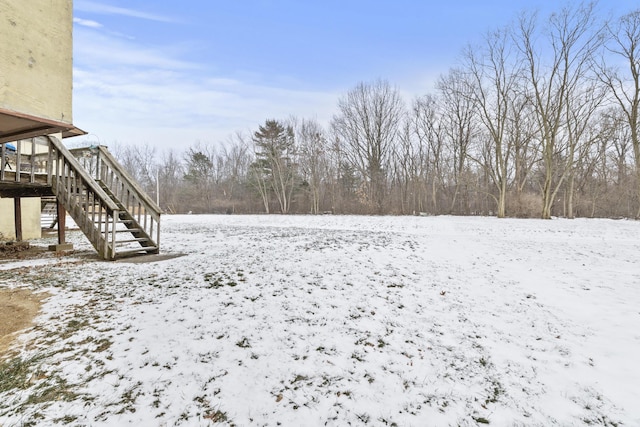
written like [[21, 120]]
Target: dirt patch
[[18, 307], [20, 251]]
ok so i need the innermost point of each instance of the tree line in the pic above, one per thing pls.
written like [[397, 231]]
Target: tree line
[[540, 119]]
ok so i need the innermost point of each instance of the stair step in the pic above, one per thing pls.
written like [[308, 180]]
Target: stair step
[[135, 240], [141, 251], [128, 230], [120, 221]]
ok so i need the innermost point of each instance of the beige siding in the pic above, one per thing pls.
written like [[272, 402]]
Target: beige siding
[[31, 228], [36, 57]]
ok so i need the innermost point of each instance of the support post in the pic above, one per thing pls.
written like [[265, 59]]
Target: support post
[[17, 215], [62, 226], [62, 223]]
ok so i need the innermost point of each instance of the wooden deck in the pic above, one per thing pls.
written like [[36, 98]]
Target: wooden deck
[[30, 185]]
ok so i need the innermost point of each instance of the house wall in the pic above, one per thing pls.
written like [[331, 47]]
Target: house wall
[[31, 228], [36, 57]]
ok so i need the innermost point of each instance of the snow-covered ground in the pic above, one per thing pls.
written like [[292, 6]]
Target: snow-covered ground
[[340, 320]]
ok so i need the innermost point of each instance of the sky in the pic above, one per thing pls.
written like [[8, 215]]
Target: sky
[[172, 74]]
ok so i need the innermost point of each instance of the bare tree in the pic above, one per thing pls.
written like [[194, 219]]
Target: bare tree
[[343, 179], [617, 172], [524, 133], [367, 124], [427, 127], [406, 169], [582, 107], [259, 179], [313, 157], [458, 113], [573, 38], [140, 162], [200, 174], [497, 72], [236, 158], [170, 174], [625, 84]]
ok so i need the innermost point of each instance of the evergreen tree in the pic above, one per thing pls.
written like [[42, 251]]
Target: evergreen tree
[[274, 169]]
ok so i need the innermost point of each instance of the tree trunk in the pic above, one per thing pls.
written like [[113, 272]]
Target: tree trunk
[[502, 199], [547, 202], [570, 213]]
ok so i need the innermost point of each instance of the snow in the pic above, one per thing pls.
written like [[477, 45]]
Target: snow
[[337, 320]]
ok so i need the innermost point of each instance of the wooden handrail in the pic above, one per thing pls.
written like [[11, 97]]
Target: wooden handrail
[[89, 204], [113, 164], [133, 198], [79, 171]]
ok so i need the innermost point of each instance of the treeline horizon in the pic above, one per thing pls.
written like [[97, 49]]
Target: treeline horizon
[[540, 119]]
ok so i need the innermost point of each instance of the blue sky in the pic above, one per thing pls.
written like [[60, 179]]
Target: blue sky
[[173, 73]]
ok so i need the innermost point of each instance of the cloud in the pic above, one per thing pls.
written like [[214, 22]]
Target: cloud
[[104, 9], [87, 23], [130, 93], [103, 50], [168, 108]]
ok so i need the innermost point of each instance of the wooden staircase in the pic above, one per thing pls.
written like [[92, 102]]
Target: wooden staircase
[[131, 238], [106, 203]]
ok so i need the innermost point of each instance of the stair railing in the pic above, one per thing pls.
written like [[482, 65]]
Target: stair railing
[[132, 197], [101, 164], [88, 204]]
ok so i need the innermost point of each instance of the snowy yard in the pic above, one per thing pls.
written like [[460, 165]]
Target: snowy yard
[[332, 320]]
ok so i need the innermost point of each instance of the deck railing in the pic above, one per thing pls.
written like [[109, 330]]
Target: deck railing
[[22, 163]]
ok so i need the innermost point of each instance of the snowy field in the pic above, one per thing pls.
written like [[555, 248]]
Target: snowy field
[[339, 320]]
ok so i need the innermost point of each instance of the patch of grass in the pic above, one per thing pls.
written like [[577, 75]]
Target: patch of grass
[[369, 377], [365, 418], [366, 343], [128, 399], [495, 392], [72, 327], [17, 373], [357, 356], [244, 343], [219, 280], [67, 419], [299, 377], [216, 416], [51, 390], [102, 345], [387, 422]]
